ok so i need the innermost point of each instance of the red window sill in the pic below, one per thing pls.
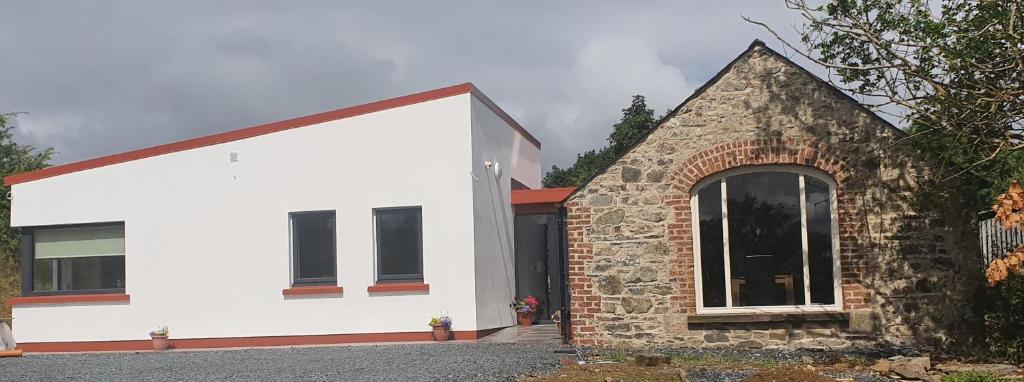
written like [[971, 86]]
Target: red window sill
[[312, 290], [398, 287], [70, 298]]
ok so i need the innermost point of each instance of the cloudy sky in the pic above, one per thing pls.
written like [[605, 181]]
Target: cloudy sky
[[97, 78]]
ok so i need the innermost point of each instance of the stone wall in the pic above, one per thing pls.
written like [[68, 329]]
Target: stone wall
[[908, 254]]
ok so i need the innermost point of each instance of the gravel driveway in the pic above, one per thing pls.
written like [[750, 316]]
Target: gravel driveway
[[412, 362]]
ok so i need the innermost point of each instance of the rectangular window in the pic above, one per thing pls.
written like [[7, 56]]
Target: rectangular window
[[313, 248], [75, 259], [399, 243]]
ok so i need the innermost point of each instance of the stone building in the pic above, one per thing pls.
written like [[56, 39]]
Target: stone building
[[826, 224]]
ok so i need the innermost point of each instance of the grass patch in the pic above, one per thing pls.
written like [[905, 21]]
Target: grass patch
[[971, 376], [617, 357]]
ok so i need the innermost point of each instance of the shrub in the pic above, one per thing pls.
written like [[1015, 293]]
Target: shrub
[[10, 283], [1004, 320]]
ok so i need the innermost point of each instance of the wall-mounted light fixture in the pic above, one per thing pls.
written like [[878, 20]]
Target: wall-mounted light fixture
[[496, 166]]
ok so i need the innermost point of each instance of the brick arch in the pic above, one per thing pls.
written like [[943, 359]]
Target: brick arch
[[754, 152]]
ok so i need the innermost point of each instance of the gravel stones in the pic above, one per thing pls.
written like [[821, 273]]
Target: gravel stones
[[411, 362]]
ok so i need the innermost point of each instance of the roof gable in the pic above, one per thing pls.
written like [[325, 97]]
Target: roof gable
[[755, 46]]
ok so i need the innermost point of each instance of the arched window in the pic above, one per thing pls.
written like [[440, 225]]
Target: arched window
[[766, 240]]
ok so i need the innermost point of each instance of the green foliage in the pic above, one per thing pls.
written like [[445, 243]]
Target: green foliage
[[14, 158], [617, 357], [971, 377], [1004, 320], [637, 120], [951, 67], [998, 172]]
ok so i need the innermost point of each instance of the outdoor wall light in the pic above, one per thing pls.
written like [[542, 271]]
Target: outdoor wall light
[[496, 166]]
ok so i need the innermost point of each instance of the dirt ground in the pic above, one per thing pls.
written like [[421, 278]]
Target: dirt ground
[[616, 367], [605, 372], [631, 373], [787, 374]]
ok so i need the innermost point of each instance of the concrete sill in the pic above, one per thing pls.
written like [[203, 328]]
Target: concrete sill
[[68, 299], [313, 290], [418, 287], [716, 318]]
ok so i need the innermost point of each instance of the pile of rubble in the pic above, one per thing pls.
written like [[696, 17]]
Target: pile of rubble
[[921, 369]]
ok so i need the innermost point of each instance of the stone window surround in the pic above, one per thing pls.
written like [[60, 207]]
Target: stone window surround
[[807, 307]]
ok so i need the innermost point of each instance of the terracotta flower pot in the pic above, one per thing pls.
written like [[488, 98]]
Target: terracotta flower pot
[[442, 333], [525, 319], [160, 343]]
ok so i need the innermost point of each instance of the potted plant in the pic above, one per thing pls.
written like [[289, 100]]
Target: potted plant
[[442, 327], [557, 318], [525, 309], [159, 337]]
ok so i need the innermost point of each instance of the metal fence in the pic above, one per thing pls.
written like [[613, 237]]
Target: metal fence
[[996, 240]]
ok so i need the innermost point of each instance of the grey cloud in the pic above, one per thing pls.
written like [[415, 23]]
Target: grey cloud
[[103, 77]]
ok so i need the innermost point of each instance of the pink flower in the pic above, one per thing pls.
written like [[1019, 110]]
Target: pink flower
[[531, 301]]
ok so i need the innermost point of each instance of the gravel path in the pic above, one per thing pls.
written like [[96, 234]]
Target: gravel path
[[414, 362]]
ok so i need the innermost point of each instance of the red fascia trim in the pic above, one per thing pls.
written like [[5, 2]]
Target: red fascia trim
[[541, 195], [504, 116], [274, 127], [66, 299], [398, 287], [234, 342], [312, 290]]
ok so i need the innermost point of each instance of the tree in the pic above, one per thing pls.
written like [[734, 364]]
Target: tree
[[14, 158], [955, 72], [637, 120]]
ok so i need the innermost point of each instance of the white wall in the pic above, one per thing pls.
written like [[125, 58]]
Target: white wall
[[207, 241], [494, 140]]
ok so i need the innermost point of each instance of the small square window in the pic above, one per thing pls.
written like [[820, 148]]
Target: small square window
[[399, 244], [313, 248]]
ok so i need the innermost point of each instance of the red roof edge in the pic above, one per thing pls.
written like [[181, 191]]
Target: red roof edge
[[268, 128], [541, 195]]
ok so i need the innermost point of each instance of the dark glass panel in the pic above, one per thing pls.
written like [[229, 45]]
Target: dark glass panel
[[712, 258], [89, 273], [399, 243], [43, 272], [819, 240], [314, 244], [765, 245]]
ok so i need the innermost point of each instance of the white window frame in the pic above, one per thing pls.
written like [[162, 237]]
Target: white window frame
[[695, 227]]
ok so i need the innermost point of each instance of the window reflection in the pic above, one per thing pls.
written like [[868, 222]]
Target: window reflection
[[712, 260], [765, 248], [765, 244]]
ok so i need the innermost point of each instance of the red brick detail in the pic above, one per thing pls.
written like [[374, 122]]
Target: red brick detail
[[853, 258], [754, 152], [584, 300]]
